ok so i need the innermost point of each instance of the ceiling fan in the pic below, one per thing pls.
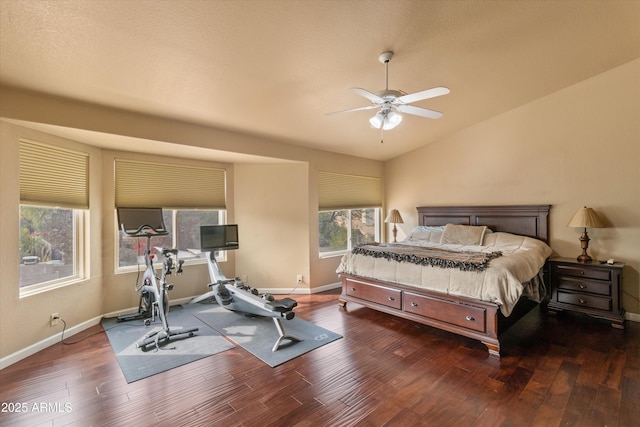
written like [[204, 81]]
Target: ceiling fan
[[389, 101]]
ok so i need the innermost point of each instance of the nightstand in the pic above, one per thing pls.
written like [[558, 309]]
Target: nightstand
[[589, 288]]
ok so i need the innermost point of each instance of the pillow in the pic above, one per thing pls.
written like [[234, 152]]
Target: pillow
[[463, 234], [420, 228], [426, 232]]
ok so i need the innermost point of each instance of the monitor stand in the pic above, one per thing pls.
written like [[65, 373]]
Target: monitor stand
[[215, 274]]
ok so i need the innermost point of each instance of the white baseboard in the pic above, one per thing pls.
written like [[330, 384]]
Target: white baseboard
[[135, 309], [634, 317], [299, 290], [41, 345]]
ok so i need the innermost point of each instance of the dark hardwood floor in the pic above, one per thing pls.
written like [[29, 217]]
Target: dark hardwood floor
[[568, 370]]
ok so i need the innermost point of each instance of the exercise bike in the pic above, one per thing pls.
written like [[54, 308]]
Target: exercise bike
[[233, 294], [154, 298]]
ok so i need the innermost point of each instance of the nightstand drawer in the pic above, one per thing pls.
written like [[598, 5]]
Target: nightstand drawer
[[582, 300], [584, 285], [578, 271]]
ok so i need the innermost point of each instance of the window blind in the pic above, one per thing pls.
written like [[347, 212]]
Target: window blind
[[149, 184], [341, 191], [53, 176]]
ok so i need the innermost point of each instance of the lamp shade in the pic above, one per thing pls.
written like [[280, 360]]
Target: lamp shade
[[586, 218], [394, 217]]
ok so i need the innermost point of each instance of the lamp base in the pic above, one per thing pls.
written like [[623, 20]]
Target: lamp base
[[584, 245], [584, 258]]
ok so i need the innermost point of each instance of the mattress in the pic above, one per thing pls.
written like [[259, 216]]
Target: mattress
[[502, 281]]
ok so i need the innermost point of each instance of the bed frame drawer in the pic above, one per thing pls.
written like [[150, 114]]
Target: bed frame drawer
[[467, 316], [374, 293]]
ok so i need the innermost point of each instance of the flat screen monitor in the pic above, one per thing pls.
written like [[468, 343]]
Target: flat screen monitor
[[141, 221], [219, 237]]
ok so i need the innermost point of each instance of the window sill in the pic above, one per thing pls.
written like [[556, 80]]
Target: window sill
[[332, 254], [31, 290]]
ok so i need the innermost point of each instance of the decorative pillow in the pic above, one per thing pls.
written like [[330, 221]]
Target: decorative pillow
[[420, 228], [426, 232], [463, 234]]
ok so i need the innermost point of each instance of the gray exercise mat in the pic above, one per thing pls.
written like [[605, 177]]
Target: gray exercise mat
[[137, 364], [258, 334]]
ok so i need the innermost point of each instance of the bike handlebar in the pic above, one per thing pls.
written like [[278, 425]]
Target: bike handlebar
[[150, 231]]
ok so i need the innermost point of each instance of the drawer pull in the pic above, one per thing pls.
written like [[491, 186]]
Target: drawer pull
[[414, 304], [392, 299], [470, 318], [353, 289], [582, 286], [582, 301], [582, 273]]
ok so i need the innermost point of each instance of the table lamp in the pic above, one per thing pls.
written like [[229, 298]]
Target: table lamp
[[394, 218], [585, 218]]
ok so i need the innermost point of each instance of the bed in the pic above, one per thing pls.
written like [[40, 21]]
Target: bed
[[425, 291]]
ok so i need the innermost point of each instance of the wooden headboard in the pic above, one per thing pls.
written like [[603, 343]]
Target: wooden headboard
[[526, 220]]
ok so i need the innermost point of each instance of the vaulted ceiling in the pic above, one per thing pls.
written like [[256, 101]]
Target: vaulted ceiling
[[275, 68]]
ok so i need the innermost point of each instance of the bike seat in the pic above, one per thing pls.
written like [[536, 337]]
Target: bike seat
[[225, 297], [282, 305]]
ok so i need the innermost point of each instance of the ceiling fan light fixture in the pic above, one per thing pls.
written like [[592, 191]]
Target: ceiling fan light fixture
[[385, 119], [392, 120], [377, 120]]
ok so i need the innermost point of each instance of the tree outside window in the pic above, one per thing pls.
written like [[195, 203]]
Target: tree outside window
[[342, 230], [183, 226], [47, 244]]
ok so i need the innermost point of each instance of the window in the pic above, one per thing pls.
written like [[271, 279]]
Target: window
[[48, 245], [54, 194], [342, 230], [184, 234], [348, 211]]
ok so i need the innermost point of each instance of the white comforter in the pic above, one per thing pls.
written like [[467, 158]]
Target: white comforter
[[501, 283]]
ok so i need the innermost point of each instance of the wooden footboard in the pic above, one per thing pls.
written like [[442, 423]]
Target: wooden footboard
[[463, 316]]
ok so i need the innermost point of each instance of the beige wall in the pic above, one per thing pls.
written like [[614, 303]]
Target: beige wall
[[273, 219], [579, 146]]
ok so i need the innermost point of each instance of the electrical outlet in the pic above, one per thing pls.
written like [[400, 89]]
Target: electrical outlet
[[299, 278], [53, 319]]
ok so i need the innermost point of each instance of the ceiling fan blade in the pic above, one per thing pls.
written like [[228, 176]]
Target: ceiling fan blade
[[368, 107], [418, 111], [369, 95], [425, 94]]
